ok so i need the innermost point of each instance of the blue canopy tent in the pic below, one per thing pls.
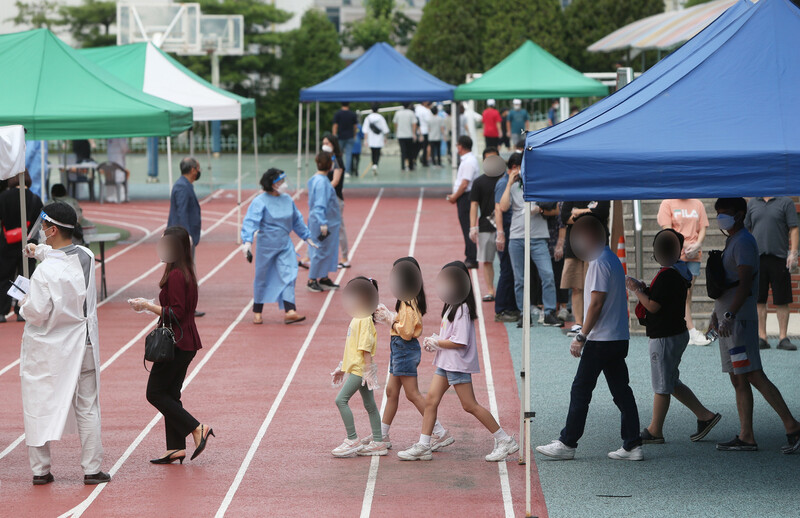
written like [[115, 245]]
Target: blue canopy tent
[[718, 117], [380, 75]]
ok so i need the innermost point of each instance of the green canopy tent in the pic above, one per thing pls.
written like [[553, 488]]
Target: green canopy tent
[[59, 95], [530, 72], [149, 69]]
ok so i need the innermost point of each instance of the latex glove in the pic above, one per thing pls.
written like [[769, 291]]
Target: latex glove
[[726, 327], [633, 284], [337, 376], [38, 252], [384, 315], [692, 251], [714, 324], [473, 234], [575, 348], [791, 261], [29, 250], [247, 251], [139, 304], [431, 343], [312, 243], [558, 253], [500, 241], [323, 230], [370, 378]]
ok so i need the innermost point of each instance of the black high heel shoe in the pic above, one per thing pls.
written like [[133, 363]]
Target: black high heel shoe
[[168, 458], [202, 445]]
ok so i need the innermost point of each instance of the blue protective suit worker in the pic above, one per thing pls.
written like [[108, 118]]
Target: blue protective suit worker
[[324, 220], [273, 215]]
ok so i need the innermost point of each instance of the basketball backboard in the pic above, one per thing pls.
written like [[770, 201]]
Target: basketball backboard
[[222, 34], [170, 26]]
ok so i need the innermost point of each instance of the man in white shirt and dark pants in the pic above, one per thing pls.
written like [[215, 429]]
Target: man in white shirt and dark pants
[[375, 139], [602, 344], [468, 170]]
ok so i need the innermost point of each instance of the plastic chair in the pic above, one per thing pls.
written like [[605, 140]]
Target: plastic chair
[[79, 175], [109, 172]]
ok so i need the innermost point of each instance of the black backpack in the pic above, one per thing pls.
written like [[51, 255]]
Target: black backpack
[[716, 283]]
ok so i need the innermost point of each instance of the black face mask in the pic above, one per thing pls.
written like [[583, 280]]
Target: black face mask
[[198, 176]]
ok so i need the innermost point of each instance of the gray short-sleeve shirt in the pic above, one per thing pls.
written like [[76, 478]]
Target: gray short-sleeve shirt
[[769, 222]]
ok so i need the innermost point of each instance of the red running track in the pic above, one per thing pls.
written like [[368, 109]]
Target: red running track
[[266, 390]]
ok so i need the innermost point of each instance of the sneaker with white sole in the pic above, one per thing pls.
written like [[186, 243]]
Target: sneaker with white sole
[[623, 454], [373, 449], [437, 443], [557, 450], [348, 448], [386, 440], [574, 330], [417, 452], [502, 449], [698, 338]]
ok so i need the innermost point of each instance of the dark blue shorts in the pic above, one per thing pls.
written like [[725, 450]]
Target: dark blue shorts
[[405, 357]]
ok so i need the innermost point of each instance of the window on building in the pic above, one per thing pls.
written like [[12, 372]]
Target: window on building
[[334, 15]]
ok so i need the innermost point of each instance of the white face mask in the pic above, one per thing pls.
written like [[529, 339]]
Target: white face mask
[[326, 148], [42, 237], [283, 188], [725, 221]]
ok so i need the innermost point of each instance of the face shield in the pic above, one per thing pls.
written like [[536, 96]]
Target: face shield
[[37, 226]]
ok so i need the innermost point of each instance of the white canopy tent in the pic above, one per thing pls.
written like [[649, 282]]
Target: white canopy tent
[[12, 163], [145, 66]]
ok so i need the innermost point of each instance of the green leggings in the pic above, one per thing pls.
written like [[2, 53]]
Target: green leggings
[[352, 384]]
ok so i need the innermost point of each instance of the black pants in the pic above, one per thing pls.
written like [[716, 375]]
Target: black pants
[[607, 358], [406, 153], [505, 299], [493, 142], [287, 306], [470, 249], [376, 155], [436, 152], [422, 147], [164, 393], [562, 296], [355, 161]]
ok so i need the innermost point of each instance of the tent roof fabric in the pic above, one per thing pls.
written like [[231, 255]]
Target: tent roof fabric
[[380, 75], [530, 72], [12, 151], [663, 31], [718, 117], [153, 71], [59, 95]]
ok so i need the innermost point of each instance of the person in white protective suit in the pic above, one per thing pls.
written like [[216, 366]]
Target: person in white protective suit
[[59, 360]]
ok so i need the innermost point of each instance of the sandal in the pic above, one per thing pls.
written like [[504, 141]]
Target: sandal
[[648, 438], [488, 298], [257, 318]]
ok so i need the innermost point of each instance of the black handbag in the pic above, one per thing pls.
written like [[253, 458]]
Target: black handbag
[[159, 346]]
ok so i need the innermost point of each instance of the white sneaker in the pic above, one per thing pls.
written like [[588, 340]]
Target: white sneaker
[[502, 449], [540, 318], [574, 330], [623, 454], [417, 452], [557, 450], [563, 314], [386, 440], [348, 448], [698, 338], [373, 449], [437, 443]]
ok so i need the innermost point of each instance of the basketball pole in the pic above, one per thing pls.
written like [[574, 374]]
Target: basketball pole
[[239, 182], [299, 141], [255, 144], [308, 135], [169, 161]]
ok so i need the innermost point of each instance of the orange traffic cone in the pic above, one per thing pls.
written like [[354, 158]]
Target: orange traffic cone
[[621, 253]]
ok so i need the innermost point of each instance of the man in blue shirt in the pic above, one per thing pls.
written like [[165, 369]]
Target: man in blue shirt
[[518, 120], [552, 113]]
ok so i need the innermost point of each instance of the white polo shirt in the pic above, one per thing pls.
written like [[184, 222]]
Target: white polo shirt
[[468, 169]]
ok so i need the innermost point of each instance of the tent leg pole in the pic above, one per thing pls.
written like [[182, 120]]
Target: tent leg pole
[[316, 126], [255, 144], [169, 161], [308, 135], [453, 139], [526, 361], [43, 190], [191, 140], [23, 217], [208, 147], [239, 182], [299, 141]]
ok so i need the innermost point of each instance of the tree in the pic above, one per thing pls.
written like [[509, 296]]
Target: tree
[[541, 21], [690, 3], [309, 55], [37, 14], [590, 20], [449, 38], [381, 23], [89, 23]]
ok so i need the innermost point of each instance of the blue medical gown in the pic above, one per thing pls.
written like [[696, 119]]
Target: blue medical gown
[[323, 210], [274, 217], [33, 161]]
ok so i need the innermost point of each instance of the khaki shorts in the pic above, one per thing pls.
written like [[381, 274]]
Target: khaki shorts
[[487, 246], [574, 274]]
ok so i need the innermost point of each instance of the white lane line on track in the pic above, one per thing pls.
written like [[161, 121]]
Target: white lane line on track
[[290, 376], [502, 468], [372, 476], [136, 339], [81, 508]]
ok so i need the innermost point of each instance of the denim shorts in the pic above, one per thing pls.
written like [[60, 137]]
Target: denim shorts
[[405, 357], [694, 268], [453, 377]]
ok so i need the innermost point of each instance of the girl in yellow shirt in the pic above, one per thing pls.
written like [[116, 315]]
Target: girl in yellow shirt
[[406, 328], [360, 300]]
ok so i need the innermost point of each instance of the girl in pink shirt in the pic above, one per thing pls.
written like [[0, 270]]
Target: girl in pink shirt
[[456, 360]]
